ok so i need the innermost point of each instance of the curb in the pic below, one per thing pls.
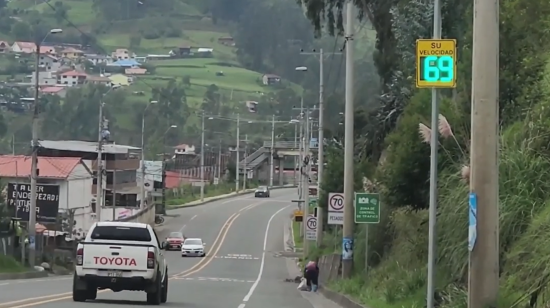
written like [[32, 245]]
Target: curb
[[24, 275], [226, 196], [340, 299]]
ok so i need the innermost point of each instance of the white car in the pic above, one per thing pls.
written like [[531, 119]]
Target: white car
[[121, 256], [193, 247]]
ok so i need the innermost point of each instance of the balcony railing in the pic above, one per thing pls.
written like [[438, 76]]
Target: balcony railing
[[121, 164], [288, 145]]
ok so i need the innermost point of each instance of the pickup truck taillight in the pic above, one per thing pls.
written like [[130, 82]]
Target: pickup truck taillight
[[79, 256], [150, 259]]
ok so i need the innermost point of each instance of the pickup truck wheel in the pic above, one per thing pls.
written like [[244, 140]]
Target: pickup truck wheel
[[92, 293], [164, 296], [78, 295], [154, 298]]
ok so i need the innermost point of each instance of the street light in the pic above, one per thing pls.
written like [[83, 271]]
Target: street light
[[34, 161], [100, 139], [202, 157], [163, 211], [301, 69], [142, 190]]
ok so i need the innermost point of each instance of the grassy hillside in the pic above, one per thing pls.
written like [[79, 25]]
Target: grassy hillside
[[192, 28]]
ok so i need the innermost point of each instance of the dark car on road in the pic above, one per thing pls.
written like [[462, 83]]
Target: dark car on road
[[262, 191]]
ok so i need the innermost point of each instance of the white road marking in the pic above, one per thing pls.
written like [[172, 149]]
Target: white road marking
[[213, 279], [262, 264], [183, 227], [193, 217], [237, 256], [21, 281]]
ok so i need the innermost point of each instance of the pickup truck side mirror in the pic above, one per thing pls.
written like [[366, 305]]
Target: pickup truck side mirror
[[203, 244], [163, 245]]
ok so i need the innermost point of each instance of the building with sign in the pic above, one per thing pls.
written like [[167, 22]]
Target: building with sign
[[64, 183], [120, 163]]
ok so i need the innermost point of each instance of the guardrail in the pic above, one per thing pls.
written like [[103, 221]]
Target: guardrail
[[147, 215]]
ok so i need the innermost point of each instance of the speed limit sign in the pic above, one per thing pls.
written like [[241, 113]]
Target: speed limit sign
[[335, 202]]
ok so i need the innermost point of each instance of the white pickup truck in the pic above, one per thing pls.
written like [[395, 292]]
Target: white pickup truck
[[121, 256]]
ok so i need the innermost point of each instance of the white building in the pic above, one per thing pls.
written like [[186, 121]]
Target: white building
[[49, 62], [64, 182]]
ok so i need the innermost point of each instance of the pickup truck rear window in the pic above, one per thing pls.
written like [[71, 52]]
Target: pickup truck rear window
[[121, 234]]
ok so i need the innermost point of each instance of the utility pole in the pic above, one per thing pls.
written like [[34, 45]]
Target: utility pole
[[484, 257], [320, 160], [434, 145], [34, 161], [245, 160], [271, 160], [99, 186], [220, 161], [301, 156], [202, 157], [349, 210], [295, 160], [305, 165], [237, 150], [114, 191]]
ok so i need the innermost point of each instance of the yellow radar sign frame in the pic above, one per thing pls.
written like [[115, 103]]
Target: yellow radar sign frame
[[436, 63]]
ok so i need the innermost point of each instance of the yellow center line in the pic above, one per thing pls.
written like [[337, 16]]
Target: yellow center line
[[216, 246]]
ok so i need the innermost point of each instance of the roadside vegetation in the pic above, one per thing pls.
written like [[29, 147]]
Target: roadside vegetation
[[392, 158], [9, 265], [187, 193]]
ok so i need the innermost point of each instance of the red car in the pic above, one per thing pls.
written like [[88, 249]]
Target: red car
[[174, 240]]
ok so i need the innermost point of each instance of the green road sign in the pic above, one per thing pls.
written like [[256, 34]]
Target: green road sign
[[367, 208], [312, 201]]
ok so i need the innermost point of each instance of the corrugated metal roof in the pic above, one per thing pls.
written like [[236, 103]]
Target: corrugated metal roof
[[19, 166], [85, 146]]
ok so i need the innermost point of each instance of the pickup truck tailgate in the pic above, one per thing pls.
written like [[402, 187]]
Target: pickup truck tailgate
[[115, 257]]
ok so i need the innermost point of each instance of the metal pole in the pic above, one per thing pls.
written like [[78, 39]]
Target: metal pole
[[34, 162], [483, 280], [220, 161], [99, 185], [272, 164], [142, 190], [295, 160], [202, 158], [114, 191], [349, 210], [245, 171], [305, 178], [320, 158], [434, 143], [301, 158], [237, 150], [163, 207]]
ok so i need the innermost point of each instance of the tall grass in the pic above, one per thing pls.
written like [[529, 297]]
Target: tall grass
[[399, 276]]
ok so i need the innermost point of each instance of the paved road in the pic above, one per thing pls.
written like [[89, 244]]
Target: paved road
[[243, 235]]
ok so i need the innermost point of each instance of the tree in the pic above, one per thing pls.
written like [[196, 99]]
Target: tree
[[21, 31]]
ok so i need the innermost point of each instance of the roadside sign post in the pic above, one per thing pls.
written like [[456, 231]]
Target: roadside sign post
[[298, 216], [367, 211], [335, 209], [311, 228]]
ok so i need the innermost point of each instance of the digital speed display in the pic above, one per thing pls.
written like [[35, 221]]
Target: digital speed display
[[436, 63]]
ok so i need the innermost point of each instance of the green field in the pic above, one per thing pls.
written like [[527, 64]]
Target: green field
[[197, 31]]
